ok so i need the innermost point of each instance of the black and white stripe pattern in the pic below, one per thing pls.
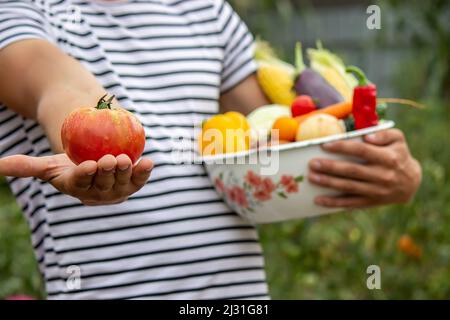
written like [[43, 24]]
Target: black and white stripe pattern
[[167, 61]]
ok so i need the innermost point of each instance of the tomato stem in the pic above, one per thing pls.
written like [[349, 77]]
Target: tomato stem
[[105, 104]]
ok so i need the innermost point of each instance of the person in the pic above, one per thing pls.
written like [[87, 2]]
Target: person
[[104, 230]]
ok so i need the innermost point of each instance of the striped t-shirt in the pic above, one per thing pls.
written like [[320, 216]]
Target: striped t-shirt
[[167, 61]]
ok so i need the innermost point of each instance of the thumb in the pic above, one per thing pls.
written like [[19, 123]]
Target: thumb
[[21, 166]]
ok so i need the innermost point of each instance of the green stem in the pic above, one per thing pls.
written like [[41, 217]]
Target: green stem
[[103, 104], [299, 62], [359, 74]]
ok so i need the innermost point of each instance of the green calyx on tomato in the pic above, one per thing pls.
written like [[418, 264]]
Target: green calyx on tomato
[[105, 104]]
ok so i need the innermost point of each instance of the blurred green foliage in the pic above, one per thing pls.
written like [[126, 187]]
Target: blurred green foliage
[[18, 268], [327, 257], [425, 25]]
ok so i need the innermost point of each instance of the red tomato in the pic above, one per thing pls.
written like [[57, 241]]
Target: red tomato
[[90, 133], [302, 105]]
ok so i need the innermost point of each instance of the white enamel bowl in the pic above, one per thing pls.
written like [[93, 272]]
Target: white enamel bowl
[[270, 184]]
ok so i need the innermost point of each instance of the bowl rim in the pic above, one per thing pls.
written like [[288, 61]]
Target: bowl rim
[[383, 125]]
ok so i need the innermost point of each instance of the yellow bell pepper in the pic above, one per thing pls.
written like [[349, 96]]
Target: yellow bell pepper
[[224, 133]]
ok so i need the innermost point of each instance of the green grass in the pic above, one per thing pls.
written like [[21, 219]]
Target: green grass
[[325, 257]]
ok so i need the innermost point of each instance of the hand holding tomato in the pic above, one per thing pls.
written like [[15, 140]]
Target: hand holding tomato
[[104, 145], [110, 180]]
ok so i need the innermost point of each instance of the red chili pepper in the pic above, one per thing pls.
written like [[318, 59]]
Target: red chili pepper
[[364, 107]]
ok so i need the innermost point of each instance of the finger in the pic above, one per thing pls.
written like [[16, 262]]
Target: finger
[[44, 168], [82, 176], [344, 202], [124, 171], [104, 179], [344, 185], [385, 137], [23, 166], [365, 151], [141, 172], [348, 169]]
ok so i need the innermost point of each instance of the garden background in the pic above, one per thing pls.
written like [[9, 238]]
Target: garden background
[[327, 257]]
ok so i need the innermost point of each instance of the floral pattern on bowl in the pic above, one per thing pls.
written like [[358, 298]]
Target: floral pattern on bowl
[[245, 196]]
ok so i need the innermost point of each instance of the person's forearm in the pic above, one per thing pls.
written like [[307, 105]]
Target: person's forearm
[[41, 82]]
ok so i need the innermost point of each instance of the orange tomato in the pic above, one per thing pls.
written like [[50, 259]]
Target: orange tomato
[[287, 127], [225, 133], [407, 245]]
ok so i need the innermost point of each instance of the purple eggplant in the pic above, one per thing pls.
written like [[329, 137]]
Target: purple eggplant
[[311, 83]]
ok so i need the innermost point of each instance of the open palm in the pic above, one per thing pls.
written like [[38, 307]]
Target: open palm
[[109, 180]]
